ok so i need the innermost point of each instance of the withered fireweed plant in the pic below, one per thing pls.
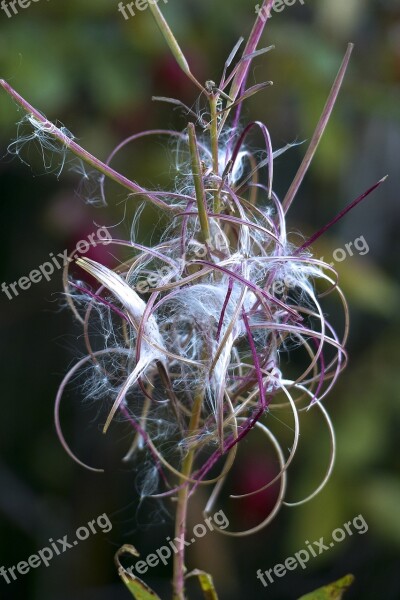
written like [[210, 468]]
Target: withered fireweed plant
[[195, 366]]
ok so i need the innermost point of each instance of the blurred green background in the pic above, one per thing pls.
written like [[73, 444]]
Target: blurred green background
[[83, 64]]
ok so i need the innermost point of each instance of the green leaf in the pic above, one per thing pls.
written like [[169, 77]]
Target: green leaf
[[137, 587], [172, 42], [206, 584], [334, 591]]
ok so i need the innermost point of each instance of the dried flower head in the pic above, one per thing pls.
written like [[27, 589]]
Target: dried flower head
[[194, 327]]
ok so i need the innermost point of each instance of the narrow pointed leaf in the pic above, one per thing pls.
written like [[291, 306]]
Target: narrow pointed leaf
[[251, 46], [206, 584], [230, 59], [334, 591], [257, 53], [137, 587], [172, 42], [181, 105], [316, 138], [234, 52], [248, 93]]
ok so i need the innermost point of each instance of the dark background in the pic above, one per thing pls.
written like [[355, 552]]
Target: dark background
[[81, 63]]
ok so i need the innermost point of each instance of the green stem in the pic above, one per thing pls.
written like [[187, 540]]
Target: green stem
[[214, 148], [182, 507], [198, 183]]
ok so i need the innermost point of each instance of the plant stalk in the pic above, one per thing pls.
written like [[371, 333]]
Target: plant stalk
[[198, 184], [49, 128], [214, 148], [182, 507]]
